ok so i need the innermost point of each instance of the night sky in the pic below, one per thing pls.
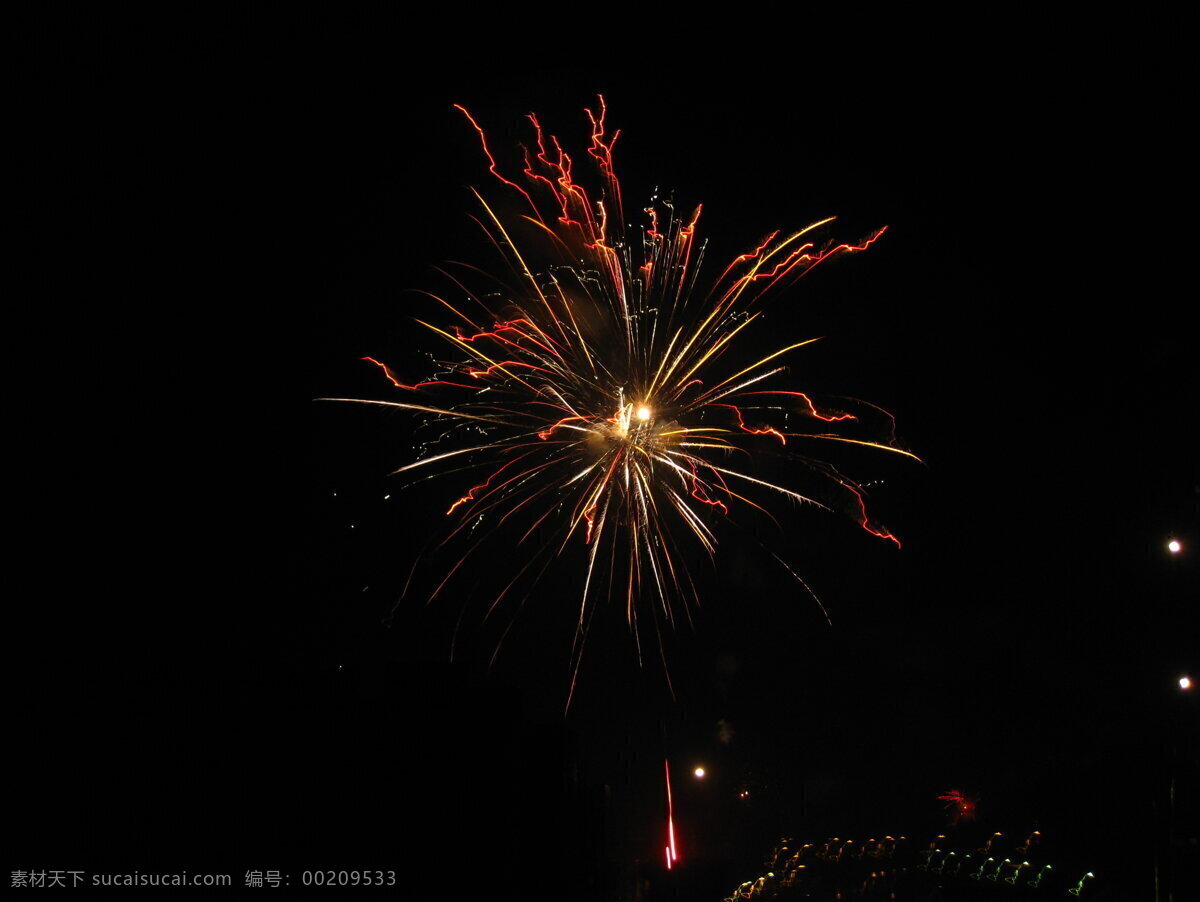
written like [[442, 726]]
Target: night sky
[[236, 693]]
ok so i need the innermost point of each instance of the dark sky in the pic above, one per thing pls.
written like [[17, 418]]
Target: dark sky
[[1026, 637], [1021, 319]]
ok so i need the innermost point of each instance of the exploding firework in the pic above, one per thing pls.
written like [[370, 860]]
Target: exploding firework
[[604, 393], [962, 807]]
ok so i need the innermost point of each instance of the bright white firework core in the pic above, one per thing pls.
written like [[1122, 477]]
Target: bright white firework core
[[699, 772], [643, 413], [1173, 546]]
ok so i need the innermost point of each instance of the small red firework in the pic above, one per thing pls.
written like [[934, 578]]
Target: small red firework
[[962, 807]]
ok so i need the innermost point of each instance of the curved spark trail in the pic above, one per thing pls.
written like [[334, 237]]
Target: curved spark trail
[[605, 396]]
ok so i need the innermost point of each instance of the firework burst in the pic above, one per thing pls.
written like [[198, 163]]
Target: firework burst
[[962, 807], [604, 394]]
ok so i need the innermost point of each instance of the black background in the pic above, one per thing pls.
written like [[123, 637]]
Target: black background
[[206, 676]]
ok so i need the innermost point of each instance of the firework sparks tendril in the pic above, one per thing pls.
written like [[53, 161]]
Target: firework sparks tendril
[[609, 388]]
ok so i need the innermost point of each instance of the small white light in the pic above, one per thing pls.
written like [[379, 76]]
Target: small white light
[[1185, 682], [1174, 547], [643, 413], [699, 772]]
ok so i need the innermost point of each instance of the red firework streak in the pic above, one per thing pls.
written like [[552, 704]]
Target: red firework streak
[[672, 853], [962, 806], [601, 392]]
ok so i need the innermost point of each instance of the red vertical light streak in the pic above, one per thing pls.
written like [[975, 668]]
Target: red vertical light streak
[[672, 853]]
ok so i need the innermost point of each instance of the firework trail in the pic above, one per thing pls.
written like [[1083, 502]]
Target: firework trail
[[605, 398], [672, 854]]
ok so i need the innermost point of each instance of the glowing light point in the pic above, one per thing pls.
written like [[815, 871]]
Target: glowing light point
[[1185, 682], [643, 413], [1174, 546], [699, 772]]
